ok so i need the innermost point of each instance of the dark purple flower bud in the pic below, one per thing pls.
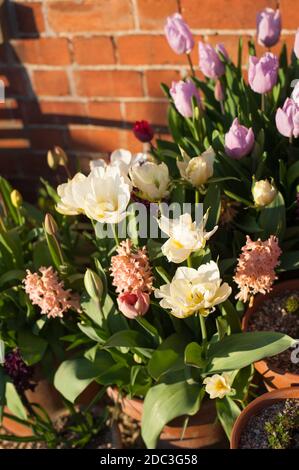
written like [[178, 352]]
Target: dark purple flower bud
[[18, 371], [143, 131]]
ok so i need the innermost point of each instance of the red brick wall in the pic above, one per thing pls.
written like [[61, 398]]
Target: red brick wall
[[80, 72]]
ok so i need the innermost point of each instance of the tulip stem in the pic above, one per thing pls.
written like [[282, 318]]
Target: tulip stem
[[191, 65], [197, 196], [263, 102], [222, 107], [203, 330], [189, 262], [114, 228], [291, 139]]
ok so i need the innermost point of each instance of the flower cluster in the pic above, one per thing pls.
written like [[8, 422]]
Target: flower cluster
[[255, 272], [132, 277], [46, 291], [19, 372]]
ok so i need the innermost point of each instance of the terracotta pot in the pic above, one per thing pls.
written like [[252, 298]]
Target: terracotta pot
[[264, 401], [203, 431], [49, 399], [273, 378]]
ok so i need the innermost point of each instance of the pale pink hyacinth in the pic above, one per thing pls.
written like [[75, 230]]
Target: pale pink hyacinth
[[130, 269], [255, 271], [46, 291]]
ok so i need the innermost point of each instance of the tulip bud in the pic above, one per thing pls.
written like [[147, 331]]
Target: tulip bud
[[262, 73], [133, 305], [218, 91], [178, 34], [93, 284], [57, 157], [239, 140], [268, 23], [209, 60], [263, 193], [16, 198], [197, 170], [143, 131], [287, 118], [182, 94], [50, 225]]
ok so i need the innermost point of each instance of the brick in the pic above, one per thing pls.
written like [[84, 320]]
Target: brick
[[13, 138], [44, 138], [88, 15], [51, 82], [93, 51], [147, 49], [63, 112], [152, 13], [42, 51], [104, 111], [15, 81], [101, 139], [155, 113], [108, 83], [223, 14], [29, 18], [155, 77], [290, 14]]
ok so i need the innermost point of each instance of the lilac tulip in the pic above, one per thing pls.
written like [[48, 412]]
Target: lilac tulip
[[209, 61], [296, 45], [182, 93], [218, 91], [178, 34], [268, 23], [295, 93], [239, 140], [262, 73], [287, 119]]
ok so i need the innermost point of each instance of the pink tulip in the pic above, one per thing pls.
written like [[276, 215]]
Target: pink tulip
[[287, 119], [268, 23], [133, 304], [218, 91], [182, 93], [296, 45], [262, 73], [239, 140], [209, 61], [178, 34]]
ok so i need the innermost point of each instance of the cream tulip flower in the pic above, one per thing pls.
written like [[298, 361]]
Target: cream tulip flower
[[72, 195], [151, 179], [218, 386], [263, 193], [121, 159], [193, 290], [197, 170], [185, 236], [108, 196]]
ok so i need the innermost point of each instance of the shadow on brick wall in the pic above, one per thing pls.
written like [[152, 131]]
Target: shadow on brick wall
[[27, 130]]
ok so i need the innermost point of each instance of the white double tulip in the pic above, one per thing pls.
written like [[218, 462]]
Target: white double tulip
[[151, 179], [193, 290], [121, 159], [197, 170], [263, 193], [103, 195], [185, 236]]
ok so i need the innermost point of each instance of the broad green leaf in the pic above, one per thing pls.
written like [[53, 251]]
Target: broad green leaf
[[168, 356], [289, 261], [92, 308], [13, 275], [242, 349], [32, 347], [74, 375], [165, 402], [128, 339], [229, 312], [273, 217], [89, 331], [227, 411], [212, 202], [13, 401], [193, 355]]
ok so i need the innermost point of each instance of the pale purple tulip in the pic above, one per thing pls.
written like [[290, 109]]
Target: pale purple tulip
[[287, 119], [218, 91], [268, 24], [262, 73], [178, 34], [296, 44], [295, 93], [209, 61], [239, 140], [182, 93]]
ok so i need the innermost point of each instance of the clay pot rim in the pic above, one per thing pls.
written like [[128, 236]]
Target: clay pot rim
[[248, 412], [292, 284]]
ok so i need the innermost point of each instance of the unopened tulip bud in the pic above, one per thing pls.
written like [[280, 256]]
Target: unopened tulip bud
[[50, 225], [296, 44], [218, 91], [16, 198], [93, 284], [62, 156], [263, 193], [52, 159]]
